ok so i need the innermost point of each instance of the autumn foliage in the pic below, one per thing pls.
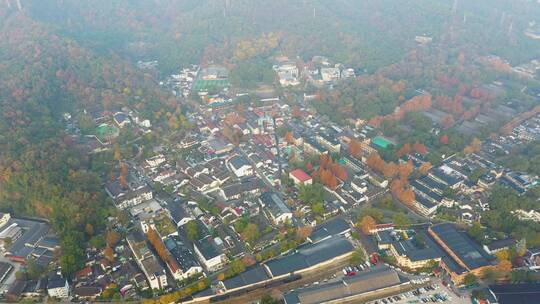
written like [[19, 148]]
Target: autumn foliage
[[367, 223], [330, 172]]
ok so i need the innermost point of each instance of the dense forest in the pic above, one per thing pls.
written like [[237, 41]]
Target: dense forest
[[364, 34], [41, 171]]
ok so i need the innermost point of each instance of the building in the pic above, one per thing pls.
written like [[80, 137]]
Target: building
[[4, 218], [277, 209], [464, 255], [57, 286], [185, 259], [208, 253], [310, 256], [121, 119], [515, 293], [337, 226], [147, 261], [409, 254], [240, 166], [248, 278], [314, 148], [359, 185], [329, 142], [375, 281], [235, 191], [288, 74], [300, 177], [87, 293], [499, 245]]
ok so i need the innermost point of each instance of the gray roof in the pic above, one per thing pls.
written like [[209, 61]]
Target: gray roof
[[239, 161], [252, 276], [374, 279], [274, 204], [206, 248], [462, 246], [412, 252], [517, 293], [181, 253], [34, 231], [332, 227], [310, 255]]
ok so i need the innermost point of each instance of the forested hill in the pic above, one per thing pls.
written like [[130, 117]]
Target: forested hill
[[41, 172], [365, 34]]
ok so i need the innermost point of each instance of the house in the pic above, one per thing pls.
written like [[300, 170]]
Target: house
[[300, 177], [314, 148], [185, 259], [121, 119], [4, 218], [240, 166], [15, 291], [57, 286], [208, 253], [249, 187], [277, 209], [87, 293], [147, 261], [359, 185], [499, 245], [329, 142]]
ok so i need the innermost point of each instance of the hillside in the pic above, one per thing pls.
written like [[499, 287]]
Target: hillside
[[41, 171], [365, 34]]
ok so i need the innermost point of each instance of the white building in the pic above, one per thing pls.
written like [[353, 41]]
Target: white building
[[57, 287], [210, 257], [4, 218], [240, 166]]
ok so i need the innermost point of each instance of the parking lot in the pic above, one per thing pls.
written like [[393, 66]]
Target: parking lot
[[432, 293]]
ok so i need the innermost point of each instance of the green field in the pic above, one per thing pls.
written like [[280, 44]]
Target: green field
[[204, 85], [381, 142], [106, 131]]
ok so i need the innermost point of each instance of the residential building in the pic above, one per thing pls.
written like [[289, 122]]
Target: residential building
[[240, 166], [209, 254], [185, 259], [300, 177], [277, 209], [57, 286], [147, 261]]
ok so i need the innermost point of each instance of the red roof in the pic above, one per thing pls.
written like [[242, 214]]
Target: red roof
[[83, 272], [300, 175]]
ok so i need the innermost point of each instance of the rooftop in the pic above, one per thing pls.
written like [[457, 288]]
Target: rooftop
[[252, 276], [461, 245], [300, 175], [516, 293], [332, 227], [310, 255]]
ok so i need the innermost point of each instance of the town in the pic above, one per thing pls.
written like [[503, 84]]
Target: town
[[260, 195], [270, 152]]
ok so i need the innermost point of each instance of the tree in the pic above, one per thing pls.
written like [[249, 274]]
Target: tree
[[112, 238], [192, 230], [267, 299], [355, 148], [367, 224], [109, 254], [470, 279], [251, 233], [302, 233], [424, 168], [401, 220], [358, 257]]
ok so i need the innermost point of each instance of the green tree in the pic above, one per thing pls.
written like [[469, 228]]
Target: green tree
[[470, 279], [251, 233], [358, 257], [401, 220], [192, 230]]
